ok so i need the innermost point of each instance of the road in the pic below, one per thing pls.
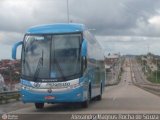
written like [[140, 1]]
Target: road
[[122, 98], [137, 71]]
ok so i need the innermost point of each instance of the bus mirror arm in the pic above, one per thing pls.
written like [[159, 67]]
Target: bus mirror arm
[[84, 48], [14, 49]]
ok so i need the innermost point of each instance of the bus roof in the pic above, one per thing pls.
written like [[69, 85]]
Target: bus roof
[[56, 28]]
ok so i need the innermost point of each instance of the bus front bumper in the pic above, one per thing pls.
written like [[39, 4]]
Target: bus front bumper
[[43, 96]]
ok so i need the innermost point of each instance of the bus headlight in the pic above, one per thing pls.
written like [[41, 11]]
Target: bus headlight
[[75, 86], [24, 87]]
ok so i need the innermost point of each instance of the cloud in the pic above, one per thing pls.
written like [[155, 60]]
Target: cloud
[[108, 17], [125, 21], [9, 38], [112, 17], [18, 16], [155, 20], [130, 44]]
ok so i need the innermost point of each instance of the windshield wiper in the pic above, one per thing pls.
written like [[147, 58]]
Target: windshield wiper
[[59, 68], [39, 65]]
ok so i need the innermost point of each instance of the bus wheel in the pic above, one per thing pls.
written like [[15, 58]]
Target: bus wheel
[[85, 104], [99, 97], [39, 105]]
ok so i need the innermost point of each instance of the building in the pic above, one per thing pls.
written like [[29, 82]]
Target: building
[[112, 66], [111, 60]]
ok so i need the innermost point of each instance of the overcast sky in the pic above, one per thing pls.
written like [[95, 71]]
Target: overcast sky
[[125, 26]]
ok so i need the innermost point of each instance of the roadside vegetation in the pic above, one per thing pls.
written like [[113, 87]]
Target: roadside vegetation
[[152, 75]]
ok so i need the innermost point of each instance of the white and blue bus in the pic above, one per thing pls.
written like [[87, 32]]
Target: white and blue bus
[[61, 63]]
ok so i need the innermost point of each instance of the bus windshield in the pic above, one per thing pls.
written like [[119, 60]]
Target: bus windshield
[[51, 57]]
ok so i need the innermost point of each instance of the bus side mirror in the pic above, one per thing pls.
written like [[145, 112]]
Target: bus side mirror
[[14, 49], [84, 48]]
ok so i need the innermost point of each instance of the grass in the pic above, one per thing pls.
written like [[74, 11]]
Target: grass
[[152, 77]]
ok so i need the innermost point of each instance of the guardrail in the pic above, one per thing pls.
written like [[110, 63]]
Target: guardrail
[[6, 96], [151, 87]]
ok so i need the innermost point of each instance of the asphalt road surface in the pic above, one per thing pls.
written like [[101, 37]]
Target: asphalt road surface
[[121, 98], [137, 71]]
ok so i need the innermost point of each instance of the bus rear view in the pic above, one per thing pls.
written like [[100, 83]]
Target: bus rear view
[[53, 67]]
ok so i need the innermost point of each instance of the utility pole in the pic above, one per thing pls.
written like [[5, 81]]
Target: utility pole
[[68, 11], [156, 70]]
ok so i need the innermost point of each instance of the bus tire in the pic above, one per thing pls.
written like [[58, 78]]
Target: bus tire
[[99, 97], [85, 104], [39, 105]]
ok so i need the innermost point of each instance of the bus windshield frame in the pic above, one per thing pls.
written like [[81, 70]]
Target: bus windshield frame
[[54, 51]]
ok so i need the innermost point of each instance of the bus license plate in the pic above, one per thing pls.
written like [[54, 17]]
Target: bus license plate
[[49, 97]]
